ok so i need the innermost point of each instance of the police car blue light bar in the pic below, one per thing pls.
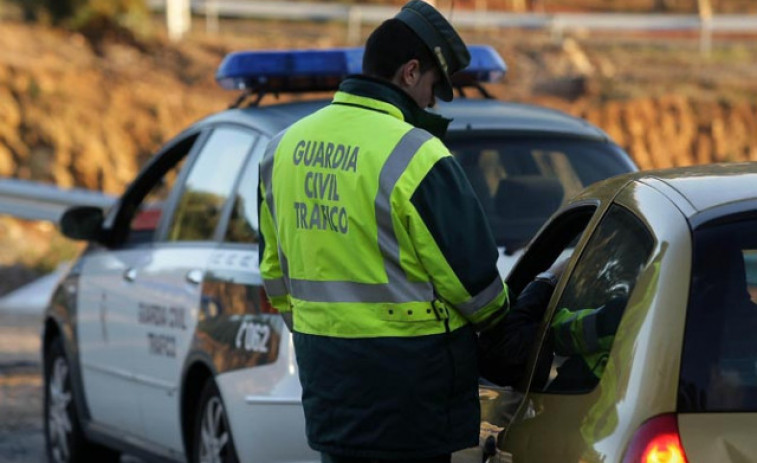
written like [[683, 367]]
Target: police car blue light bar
[[292, 71], [486, 66]]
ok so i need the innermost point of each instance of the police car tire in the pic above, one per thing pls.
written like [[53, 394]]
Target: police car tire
[[77, 446], [211, 397]]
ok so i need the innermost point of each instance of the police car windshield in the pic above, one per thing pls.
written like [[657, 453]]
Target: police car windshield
[[521, 181]]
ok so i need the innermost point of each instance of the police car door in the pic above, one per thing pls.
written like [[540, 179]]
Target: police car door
[[168, 287], [107, 318]]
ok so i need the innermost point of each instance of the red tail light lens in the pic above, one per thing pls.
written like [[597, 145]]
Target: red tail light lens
[[657, 441]]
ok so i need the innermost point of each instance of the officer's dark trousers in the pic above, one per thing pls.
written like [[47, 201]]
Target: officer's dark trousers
[[326, 458]]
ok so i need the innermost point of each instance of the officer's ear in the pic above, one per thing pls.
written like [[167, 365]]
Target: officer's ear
[[408, 75]]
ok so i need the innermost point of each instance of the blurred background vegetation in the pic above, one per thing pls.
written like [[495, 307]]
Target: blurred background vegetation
[[132, 13], [639, 6], [89, 89], [78, 12], [96, 20]]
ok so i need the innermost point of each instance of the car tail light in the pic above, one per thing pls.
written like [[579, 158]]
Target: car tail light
[[265, 304], [657, 441]]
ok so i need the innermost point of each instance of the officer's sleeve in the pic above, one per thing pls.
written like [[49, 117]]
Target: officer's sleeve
[[453, 240], [270, 266], [504, 349], [587, 331]]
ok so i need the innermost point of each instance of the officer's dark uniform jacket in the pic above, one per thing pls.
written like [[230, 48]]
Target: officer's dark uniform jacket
[[375, 244]]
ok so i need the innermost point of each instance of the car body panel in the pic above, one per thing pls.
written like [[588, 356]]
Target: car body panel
[[474, 114], [593, 426], [720, 437], [235, 329], [165, 291], [695, 189], [108, 338], [705, 189], [267, 407], [61, 320]]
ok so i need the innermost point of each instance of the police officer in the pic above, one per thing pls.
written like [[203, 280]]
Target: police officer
[[377, 252]]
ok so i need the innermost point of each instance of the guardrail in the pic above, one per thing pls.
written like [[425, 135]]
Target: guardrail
[[39, 201], [374, 14]]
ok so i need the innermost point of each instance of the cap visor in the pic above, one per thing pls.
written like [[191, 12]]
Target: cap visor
[[443, 90]]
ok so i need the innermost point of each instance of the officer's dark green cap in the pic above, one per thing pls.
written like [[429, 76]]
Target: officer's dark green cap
[[440, 37]]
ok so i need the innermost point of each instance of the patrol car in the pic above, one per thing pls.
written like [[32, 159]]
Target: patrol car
[[159, 340]]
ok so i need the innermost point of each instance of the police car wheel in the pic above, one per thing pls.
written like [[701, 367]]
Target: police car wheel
[[212, 437], [64, 440]]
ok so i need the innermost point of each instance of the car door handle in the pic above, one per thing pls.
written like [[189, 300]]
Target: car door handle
[[130, 274], [195, 276]]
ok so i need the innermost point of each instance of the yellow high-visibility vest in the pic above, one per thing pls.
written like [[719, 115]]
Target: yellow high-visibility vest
[[345, 250]]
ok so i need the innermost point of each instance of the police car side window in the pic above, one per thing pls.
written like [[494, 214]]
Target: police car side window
[[591, 306], [243, 221], [151, 195], [209, 184]]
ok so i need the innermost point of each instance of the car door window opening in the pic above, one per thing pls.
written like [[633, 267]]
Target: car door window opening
[[595, 296]]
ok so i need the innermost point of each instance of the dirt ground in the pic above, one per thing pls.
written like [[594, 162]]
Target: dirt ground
[[20, 390]]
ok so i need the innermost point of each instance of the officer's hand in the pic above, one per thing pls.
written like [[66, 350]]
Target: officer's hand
[[504, 349]]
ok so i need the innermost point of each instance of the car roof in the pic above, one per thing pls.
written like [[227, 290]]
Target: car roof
[[717, 188], [712, 185], [491, 114], [466, 113]]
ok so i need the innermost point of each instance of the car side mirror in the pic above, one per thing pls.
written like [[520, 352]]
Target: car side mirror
[[83, 223]]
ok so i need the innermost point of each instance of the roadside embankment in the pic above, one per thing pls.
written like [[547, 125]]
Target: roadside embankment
[[78, 113]]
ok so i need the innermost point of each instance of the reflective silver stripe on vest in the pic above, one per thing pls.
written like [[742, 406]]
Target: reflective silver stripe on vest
[[266, 173], [398, 289], [469, 308], [348, 291], [284, 263], [266, 176], [589, 329], [276, 287], [395, 166]]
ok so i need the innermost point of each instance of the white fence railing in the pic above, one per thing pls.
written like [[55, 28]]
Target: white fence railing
[[374, 14], [178, 18], [38, 201]]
